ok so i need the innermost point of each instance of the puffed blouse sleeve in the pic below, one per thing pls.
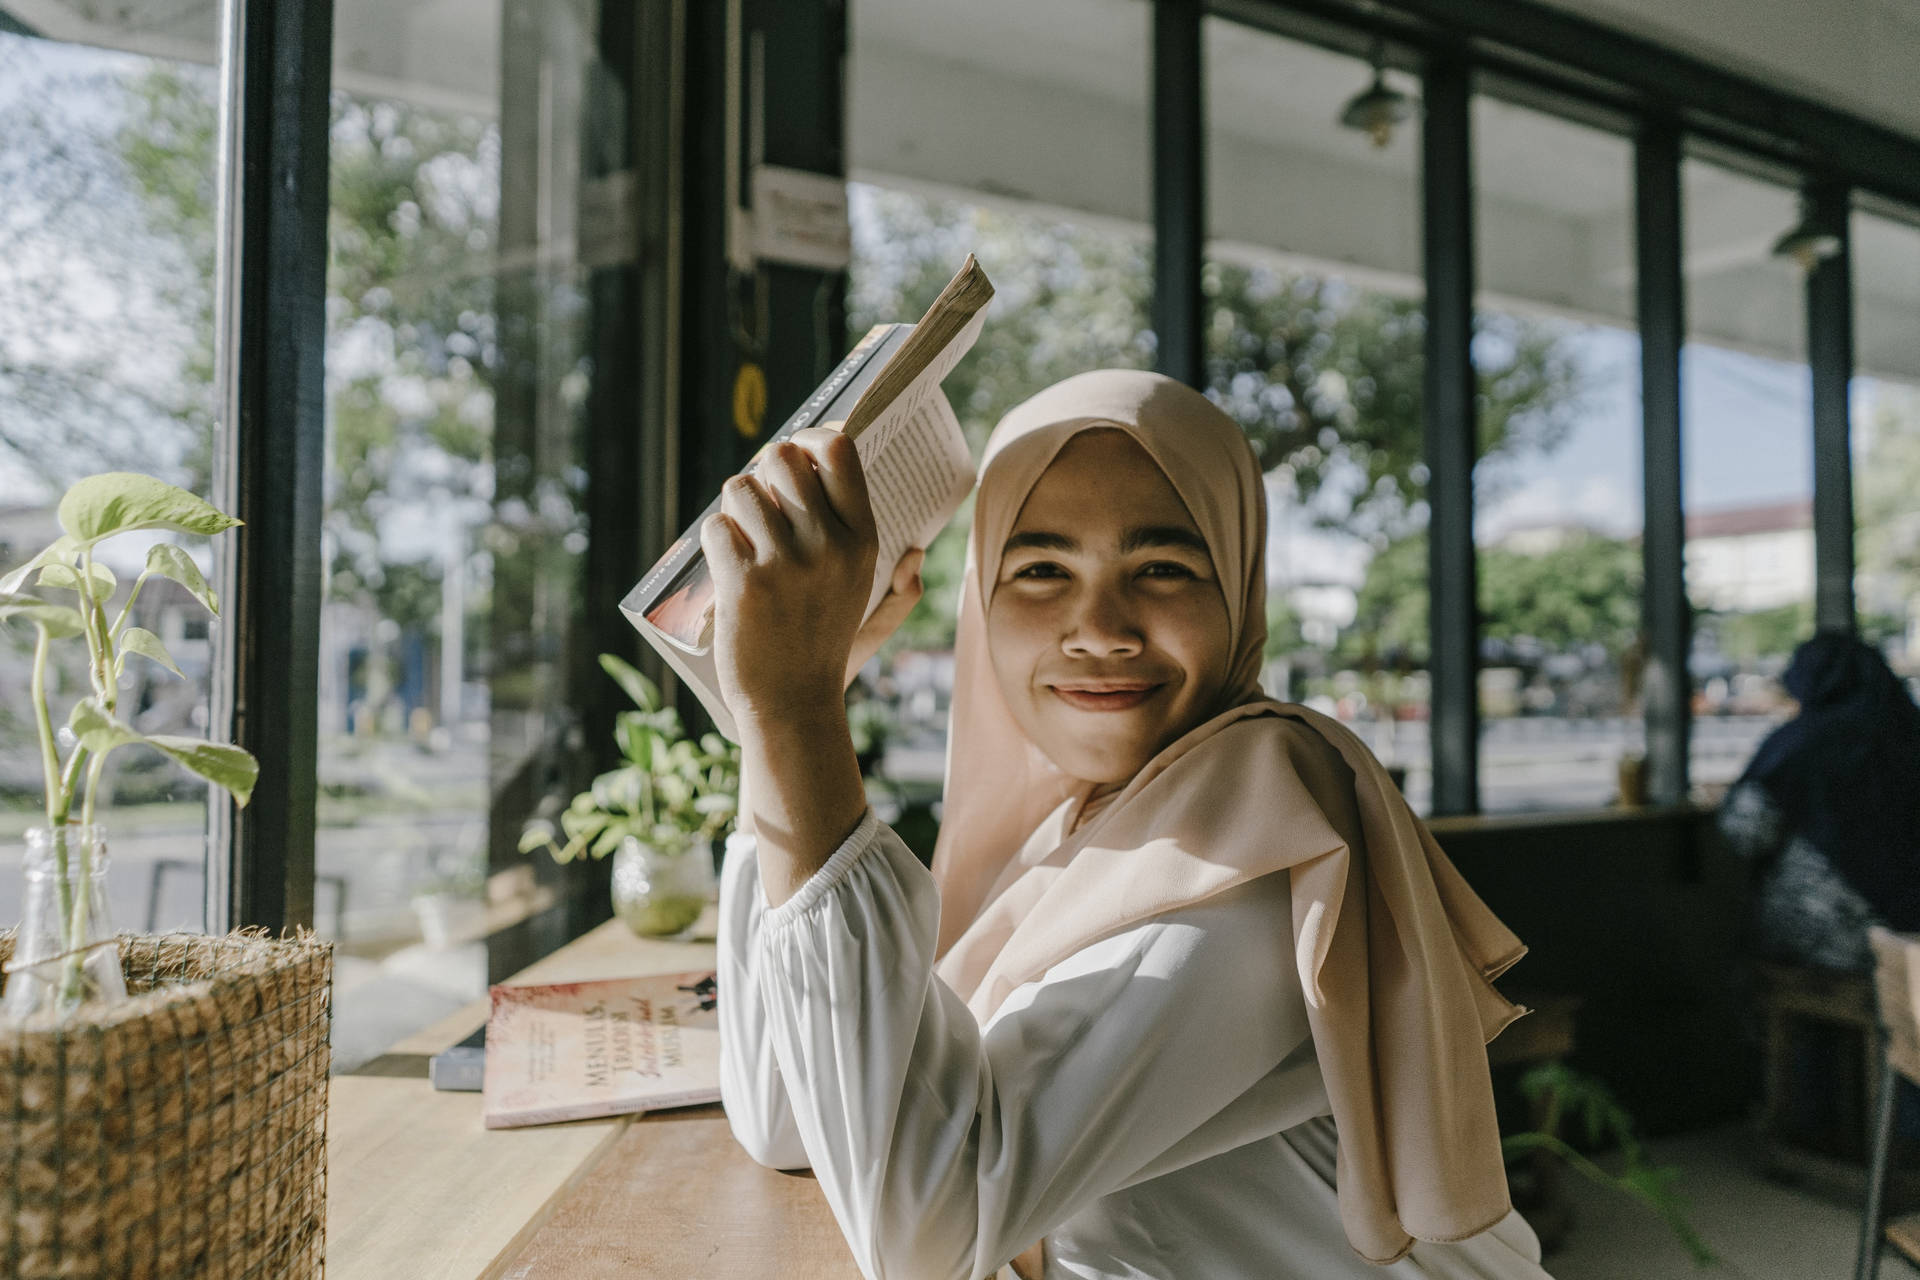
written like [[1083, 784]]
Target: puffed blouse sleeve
[[946, 1148]]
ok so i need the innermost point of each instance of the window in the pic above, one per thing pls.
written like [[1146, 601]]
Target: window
[[1748, 462], [107, 236], [1886, 437], [1315, 343], [453, 528], [1557, 486]]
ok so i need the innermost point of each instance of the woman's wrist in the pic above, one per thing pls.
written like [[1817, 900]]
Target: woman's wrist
[[805, 789]]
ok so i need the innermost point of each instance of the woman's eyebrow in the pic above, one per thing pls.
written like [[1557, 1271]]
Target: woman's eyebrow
[[1039, 539], [1163, 535]]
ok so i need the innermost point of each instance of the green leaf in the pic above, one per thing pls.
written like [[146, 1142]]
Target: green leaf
[[168, 561], [62, 550], [118, 501], [57, 620], [232, 769], [644, 692], [67, 578], [98, 731], [143, 642]]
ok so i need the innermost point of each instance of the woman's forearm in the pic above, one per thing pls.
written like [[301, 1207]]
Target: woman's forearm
[[803, 783]]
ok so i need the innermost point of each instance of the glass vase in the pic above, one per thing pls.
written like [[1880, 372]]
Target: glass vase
[[661, 894], [65, 954]]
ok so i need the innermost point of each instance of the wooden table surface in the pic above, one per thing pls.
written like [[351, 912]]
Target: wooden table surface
[[417, 1186]]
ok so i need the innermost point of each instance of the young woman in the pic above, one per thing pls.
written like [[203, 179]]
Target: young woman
[[1185, 963]]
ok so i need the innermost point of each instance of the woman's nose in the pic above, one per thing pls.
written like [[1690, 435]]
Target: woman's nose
[[1102, 626]]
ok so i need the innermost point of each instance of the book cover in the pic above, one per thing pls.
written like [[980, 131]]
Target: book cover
[[579, 1050]]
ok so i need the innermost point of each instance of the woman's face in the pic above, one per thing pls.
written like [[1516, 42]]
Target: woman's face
[[1108, 630]]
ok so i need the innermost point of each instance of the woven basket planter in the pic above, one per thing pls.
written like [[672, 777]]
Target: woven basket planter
[[178, 1136]]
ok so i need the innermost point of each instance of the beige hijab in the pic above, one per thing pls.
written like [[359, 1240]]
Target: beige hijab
[[1396, 954]]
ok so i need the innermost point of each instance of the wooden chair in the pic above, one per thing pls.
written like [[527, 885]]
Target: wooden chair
[[1897, 986]]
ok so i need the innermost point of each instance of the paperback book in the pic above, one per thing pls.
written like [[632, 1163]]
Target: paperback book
[[580, 1050], [886, 397]]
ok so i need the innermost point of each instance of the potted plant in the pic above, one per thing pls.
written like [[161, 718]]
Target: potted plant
[[147, 1083], [64, 955], [657, 814]]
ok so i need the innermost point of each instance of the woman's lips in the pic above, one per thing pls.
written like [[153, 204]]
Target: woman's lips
[[1105, 698]]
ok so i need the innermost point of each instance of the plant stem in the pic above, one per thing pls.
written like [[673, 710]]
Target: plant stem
[[126, 610], [49, 753], [98, 638]]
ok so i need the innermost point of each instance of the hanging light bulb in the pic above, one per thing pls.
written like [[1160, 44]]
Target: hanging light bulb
[[1376, 109], [1808, 243]]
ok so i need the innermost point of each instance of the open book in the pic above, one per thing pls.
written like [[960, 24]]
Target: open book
[[886, 397]]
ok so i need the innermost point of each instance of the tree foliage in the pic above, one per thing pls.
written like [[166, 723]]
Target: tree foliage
[[1583, 592]]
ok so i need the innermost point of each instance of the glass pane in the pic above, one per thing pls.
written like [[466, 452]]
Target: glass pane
[[453, 532], [1886, 438], [1314, 341], [1071, 258], [1557, 487], [109, 164], [1748, 458]]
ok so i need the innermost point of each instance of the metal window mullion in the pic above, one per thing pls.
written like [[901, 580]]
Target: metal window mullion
[[1179, 189], [276, 68], [1666, 617], [1830, 358], [1449, 412]]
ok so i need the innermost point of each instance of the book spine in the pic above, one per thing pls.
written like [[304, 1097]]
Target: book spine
[[863, 363]]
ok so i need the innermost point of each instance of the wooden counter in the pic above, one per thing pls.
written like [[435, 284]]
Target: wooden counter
[[417, 1186]]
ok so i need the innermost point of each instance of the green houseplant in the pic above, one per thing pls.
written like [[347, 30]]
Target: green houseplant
[[64, 955], [657, 814]]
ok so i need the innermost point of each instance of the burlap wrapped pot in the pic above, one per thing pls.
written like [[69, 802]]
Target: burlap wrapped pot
[[180, 1135]]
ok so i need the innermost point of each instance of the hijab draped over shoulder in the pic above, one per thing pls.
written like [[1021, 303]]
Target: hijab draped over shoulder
[[1395, 953]]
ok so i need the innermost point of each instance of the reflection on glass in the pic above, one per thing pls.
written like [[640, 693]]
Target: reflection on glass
[[1315, 344], [453, 531], [109, 169], [1886, 438], [1557, 485], [1748, 486]]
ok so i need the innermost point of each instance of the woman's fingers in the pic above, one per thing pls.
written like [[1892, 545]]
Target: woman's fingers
[[788, 475], [906, 574], [837, 463], [756, 516]]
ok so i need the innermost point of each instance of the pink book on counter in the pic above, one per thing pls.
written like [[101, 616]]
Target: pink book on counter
[[579, 1050]]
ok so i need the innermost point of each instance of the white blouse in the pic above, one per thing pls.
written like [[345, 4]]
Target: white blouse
[[1151, 1105]]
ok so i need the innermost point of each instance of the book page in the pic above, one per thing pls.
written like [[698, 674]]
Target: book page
[[918, 471]]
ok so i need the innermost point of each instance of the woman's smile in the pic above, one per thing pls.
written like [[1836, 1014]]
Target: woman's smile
[[1107, 695]]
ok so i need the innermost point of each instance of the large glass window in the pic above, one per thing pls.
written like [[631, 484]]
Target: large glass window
[[109, 166], [1315, 343], [1071, 257], [1748, 483], [453, 530], [1886, 437], [1557, 486]]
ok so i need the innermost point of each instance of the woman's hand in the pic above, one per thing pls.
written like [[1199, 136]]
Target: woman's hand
[[792, 558], [903, 592], [792, 552]]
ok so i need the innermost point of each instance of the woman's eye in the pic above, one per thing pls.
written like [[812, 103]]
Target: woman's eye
[[1040, 569], [1167, 569]]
